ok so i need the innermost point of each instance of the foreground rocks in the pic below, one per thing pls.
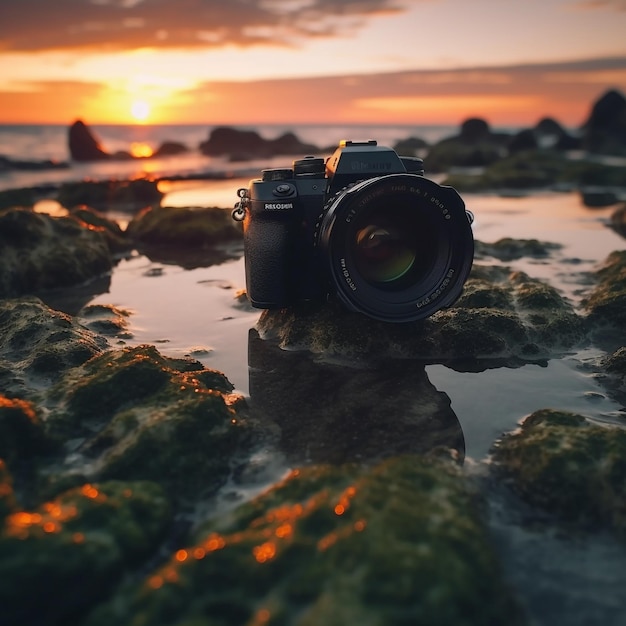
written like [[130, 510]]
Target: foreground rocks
[[566, 465], [335, 545], [33, 260]]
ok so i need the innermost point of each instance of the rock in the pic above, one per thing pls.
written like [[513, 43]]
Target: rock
[[83, 145], [105, 319], [550, 134], [501, 316], [401, 542], [597, 197], [7, 164], [21, 432], [412, 146], [115, 237], [17, 198], [618, 220], [57, 560], [565, 464], [144, 416], [7, 497], [119, 195], [197, 226], [524, 140], [606, 304], [170, 148], [190, 237], [38, 345], [539, 169], [248, 144], [39, 252], [475, 146], [605, 129], [509, 249]]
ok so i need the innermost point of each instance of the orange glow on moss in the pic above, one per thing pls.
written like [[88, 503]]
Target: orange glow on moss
[[89, 491], [265, 552], [155, 582]]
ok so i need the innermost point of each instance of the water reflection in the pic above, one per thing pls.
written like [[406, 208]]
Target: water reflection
[[333, 413]]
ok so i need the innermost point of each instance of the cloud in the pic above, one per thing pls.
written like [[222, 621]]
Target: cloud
[[617, 5], [35, 25]]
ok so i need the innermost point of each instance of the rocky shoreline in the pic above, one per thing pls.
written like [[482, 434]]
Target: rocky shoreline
[[110, 453]]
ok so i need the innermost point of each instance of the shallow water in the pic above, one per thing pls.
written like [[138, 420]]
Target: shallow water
[[195, 311], [561, 579]]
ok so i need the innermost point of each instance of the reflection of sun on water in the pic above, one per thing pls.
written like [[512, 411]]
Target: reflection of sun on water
[[140, 149]]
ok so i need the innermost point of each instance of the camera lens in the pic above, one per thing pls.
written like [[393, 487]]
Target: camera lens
[[382, 253], [397, 247]]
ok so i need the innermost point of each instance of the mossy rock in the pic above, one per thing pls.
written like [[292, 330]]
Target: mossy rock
[[38, 345], [184, 226], [500, 315], [117, 241], [7, 497], [21, 434], [39, 252], [144, 416], [120, 195], [12, 198], [403, 542], [567, 465], [606, 304], [57, 560], [510, 249]]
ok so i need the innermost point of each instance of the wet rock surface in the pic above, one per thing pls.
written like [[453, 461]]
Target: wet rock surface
[[563, 463], [290, 556], [606, 304], [39, 253], [38, 344], [83, 541], [501, 315]]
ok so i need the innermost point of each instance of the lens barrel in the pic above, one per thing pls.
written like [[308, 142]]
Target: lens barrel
[[397, 247]]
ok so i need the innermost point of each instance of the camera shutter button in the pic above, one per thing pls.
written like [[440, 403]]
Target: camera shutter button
[[283, 189]]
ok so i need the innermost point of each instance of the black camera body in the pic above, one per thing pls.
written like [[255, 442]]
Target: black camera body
[[364, 225]]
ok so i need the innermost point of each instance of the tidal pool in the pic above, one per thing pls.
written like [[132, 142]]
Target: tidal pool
[[561, 579]]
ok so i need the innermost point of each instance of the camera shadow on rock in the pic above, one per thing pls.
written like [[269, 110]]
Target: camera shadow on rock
[[333, 413]]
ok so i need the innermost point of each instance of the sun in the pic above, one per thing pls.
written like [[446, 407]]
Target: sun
[[140, 110]]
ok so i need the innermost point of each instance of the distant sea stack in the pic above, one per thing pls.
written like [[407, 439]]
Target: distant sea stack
[[605, 130], [83, 145]]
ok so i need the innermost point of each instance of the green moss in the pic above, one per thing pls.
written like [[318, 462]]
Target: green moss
[[7, 499], [400, 543], [146, 416], [565, 464], [21, 433], [57, 560], [184, 226], [111, 194], [606, 304]]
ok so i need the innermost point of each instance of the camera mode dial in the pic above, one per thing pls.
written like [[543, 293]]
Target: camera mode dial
[[277, 173], [309, 166]]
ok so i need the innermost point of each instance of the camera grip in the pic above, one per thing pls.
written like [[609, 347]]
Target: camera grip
[[267, 261]]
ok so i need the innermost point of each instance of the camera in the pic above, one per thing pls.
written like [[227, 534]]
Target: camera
[[363, 225]]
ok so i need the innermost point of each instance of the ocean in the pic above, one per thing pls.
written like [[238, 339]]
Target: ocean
[[42, 142]]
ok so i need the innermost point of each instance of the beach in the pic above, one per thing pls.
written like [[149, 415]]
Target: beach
[[186, 311]]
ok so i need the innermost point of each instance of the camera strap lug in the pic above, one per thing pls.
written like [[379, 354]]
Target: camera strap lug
[[239, 212]]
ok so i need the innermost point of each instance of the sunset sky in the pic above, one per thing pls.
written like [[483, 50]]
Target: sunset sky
[[298, 61]]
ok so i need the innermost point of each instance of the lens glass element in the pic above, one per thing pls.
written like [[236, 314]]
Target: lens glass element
[[391, 247]]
